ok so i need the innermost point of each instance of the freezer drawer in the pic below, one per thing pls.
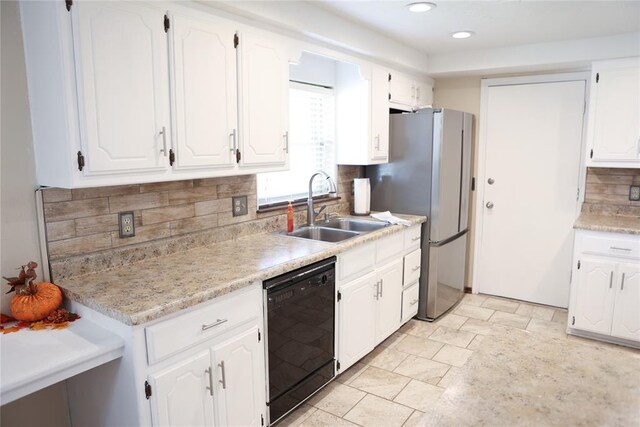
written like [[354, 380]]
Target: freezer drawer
[[445, 279]]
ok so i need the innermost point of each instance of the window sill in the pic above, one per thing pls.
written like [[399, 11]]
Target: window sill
[[300, 202]]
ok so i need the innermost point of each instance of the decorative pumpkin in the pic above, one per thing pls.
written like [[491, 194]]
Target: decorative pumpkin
[[32, 301]]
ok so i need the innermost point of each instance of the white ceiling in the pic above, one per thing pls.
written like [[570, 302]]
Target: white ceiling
[[496, 23]]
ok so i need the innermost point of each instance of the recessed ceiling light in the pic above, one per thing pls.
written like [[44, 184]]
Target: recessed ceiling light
[[462, 34], [421, 6]]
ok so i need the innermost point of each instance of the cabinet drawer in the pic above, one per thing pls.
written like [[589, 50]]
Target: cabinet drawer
[[412, 237], [410, 302], [356, 262], [412, 267], [172, 336], [618, 247], [389, 247]]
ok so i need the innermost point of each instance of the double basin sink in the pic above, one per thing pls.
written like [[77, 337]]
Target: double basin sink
[[337, 229]]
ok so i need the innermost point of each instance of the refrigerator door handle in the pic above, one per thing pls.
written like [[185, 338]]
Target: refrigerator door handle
[[437, 243]]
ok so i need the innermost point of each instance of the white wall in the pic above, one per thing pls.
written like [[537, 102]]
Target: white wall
[[18, 229]]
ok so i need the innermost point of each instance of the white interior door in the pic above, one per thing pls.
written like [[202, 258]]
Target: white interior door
[[532, 143]]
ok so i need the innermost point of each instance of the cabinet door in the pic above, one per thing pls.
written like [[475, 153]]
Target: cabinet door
[[424, 95], [401, 89], [626, 312], [356, 311], [240, 379], [594, 296], [616, 115], [180, 396], [123, 96], [389, 303], [264, 101], [205, 93], [380, 115]]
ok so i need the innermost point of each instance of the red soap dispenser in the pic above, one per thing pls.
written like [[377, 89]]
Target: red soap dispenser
[[289, 218]]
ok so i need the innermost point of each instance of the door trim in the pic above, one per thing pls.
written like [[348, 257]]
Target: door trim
[[481, 149]]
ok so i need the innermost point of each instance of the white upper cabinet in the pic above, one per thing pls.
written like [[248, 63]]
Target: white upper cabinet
[[379, 114], [362, 111], [123, 98], [264, 101], [614, 114], [203, 65], [407, 93]]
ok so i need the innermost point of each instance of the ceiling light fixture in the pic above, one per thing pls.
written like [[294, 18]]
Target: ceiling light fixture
[[421, 6], [462, 34]]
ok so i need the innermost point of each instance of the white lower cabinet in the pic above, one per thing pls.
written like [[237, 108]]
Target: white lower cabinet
[[371, 306], [410, 302], [605, 292], [240, 385], [180, 397], [388, 300]]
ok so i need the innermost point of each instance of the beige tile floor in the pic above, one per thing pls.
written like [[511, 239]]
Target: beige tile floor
[[406, 374]]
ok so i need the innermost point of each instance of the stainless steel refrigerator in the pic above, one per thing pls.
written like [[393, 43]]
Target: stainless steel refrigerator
[[429, 173]]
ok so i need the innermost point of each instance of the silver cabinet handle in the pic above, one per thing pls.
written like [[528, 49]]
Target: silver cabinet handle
[[163, 132], [223, 381], [211, 325], [381, 286], [377, 138], [415, 239], [489, 205], [377, 294], [413, 302], [622, 284], [415, 268], [417, 93], [490, 181], [210, 373], [233, 136], [286, 141], [620, 249], [611, 280]]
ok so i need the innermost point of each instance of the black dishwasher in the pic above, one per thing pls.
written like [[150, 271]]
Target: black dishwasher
[[300, 323]]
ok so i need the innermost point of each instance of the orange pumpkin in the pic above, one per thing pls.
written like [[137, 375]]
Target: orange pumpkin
[[35, 301]]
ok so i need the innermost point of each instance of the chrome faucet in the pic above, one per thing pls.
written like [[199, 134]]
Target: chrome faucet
[[312, 213]]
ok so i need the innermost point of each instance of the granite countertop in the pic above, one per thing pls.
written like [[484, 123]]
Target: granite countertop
[[608, 223], [150, 289]]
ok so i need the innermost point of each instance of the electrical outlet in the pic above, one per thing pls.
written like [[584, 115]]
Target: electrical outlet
[[634, 193], [126, 224], [239, 205]]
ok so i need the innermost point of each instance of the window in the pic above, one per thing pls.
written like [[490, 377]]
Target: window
[[311, 147]]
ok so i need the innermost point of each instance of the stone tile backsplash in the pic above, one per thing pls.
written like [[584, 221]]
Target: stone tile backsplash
[[85, 221], [607, 191]]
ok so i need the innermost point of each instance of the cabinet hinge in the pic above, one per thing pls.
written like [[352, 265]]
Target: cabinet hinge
[[236, 40], [80, 161], [597, 77], [578, 264], [578, 194], [167, 24], [473, 183], [573, 320], [338, 365], [339, 295], [591, 154], [259, 335], [238, 156], [261, 419], [389, 96], [147, 390], [68, 4], [389, 76], [172, 157]]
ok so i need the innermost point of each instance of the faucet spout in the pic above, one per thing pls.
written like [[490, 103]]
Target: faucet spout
[[311, 212]]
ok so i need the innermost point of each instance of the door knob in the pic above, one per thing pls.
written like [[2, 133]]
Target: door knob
[[491, 181], [489, 205]]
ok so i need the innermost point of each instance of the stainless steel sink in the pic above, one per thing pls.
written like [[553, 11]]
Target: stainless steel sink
[[353, 224], [323, 234]]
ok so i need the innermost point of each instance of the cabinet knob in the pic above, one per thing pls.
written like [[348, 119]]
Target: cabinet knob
[[489, 205]]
